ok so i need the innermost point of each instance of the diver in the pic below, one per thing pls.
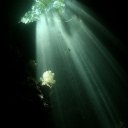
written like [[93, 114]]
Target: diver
[[45, 84], [45, 87]]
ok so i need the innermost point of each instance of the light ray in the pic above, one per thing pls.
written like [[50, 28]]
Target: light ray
[[88, 78]]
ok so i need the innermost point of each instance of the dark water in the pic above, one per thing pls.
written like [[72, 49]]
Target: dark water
[[73, 107]]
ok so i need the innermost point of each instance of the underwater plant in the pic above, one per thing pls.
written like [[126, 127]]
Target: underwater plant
[[48, 78]]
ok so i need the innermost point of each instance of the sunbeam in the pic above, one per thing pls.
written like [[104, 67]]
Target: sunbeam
[[88, 78]]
